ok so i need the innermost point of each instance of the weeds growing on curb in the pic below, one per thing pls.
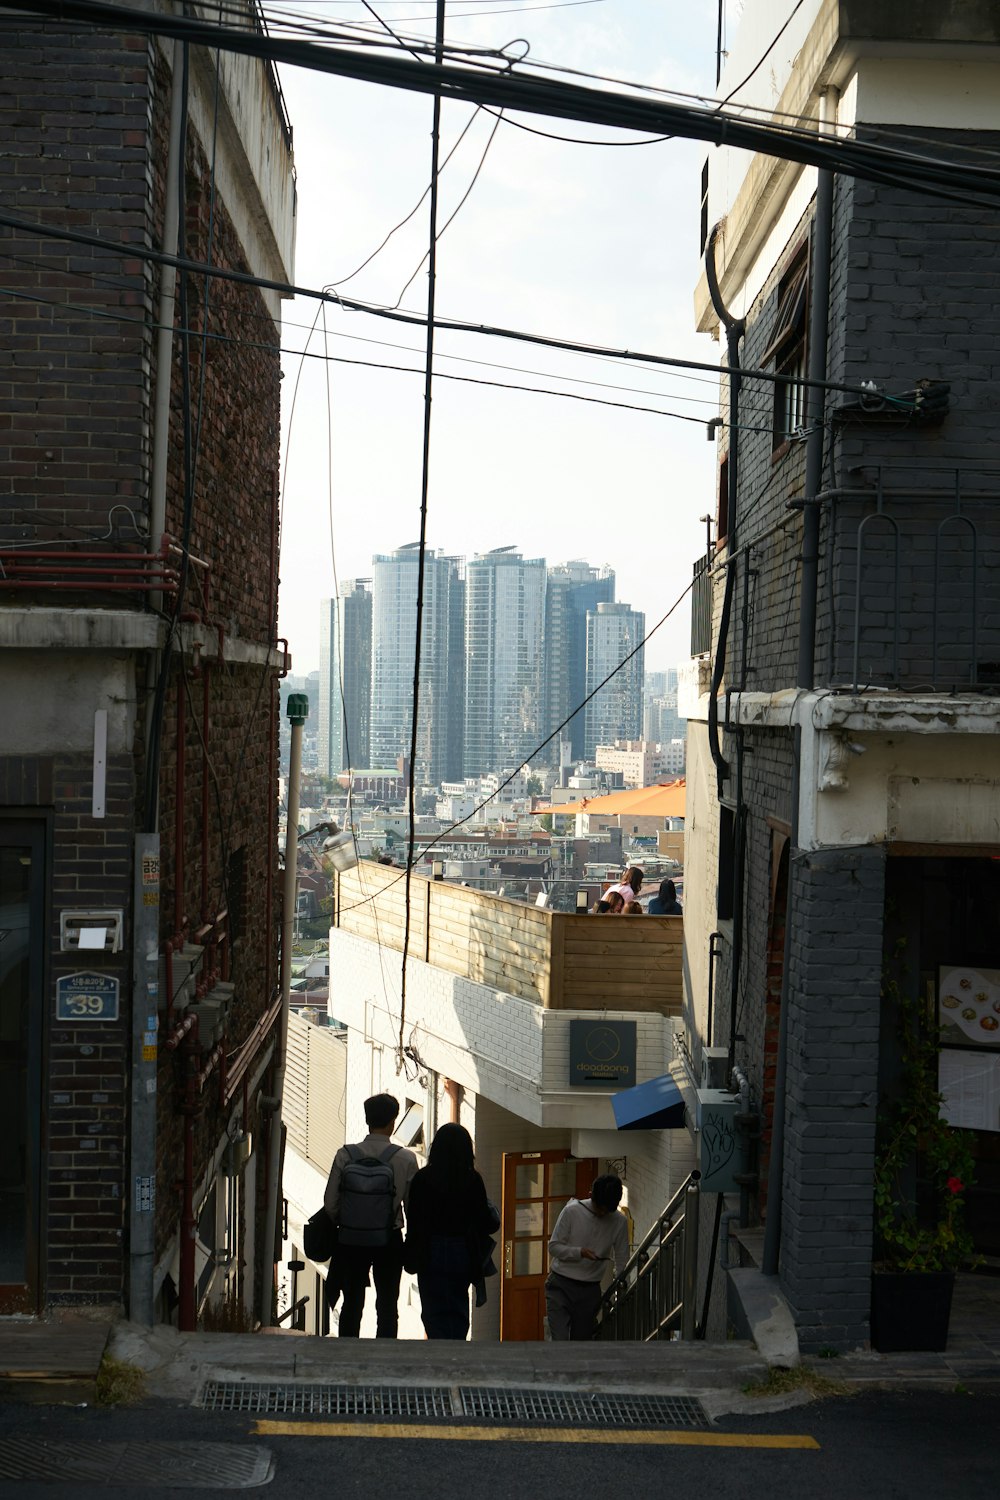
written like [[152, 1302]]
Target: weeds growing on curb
[[118, 1383], [802, 1378]]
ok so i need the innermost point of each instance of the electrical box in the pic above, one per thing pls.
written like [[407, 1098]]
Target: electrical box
[[714, 1067], [91, 931], [718, 1140], [185, 969]]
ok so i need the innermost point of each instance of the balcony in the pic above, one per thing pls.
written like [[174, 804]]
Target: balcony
[[558, 960]]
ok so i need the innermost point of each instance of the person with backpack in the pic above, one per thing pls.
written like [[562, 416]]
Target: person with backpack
[[365, 1196]]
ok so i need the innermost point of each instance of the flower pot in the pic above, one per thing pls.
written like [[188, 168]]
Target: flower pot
[[910, 1310]]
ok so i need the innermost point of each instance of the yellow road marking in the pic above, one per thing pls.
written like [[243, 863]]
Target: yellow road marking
[[265, 1427]]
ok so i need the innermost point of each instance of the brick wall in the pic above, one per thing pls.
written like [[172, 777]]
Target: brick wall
[[74, 384], [86, 120], [912, 297], [832, 1092]]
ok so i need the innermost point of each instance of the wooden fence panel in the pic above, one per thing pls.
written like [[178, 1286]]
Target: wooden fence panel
[[561, 960]]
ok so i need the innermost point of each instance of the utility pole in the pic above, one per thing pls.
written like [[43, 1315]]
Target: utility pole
[[298, 712]]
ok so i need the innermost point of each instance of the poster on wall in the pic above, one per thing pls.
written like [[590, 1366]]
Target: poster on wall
[[970, 1085], [969, 1006]]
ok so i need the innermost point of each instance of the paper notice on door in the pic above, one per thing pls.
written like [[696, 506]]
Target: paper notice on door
[[970, 1085]]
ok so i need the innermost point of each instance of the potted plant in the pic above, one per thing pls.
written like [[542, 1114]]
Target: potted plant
[[923, 1167]]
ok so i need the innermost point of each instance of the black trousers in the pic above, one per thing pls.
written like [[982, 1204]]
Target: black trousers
[[571, 1306], [385, 1263]]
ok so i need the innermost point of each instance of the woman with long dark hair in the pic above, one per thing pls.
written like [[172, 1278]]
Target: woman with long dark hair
[[448, 1223]]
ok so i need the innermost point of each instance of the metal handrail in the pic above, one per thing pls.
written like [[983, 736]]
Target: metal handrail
[[654, 1295]]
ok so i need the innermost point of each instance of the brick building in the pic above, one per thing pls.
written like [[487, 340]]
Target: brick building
[[847, 804], [138, 601]]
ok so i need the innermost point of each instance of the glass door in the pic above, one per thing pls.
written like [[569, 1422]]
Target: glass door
[[536, 1187], [22, 955]]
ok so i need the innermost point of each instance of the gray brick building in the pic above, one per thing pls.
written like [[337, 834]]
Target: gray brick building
[[138, 671], [850, 807]]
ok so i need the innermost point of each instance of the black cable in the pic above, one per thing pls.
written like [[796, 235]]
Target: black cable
[[461, 203], [517, 91], [424, 488], [452, 325], [248, 315], [343, 280], [540, 747], [766, 53]]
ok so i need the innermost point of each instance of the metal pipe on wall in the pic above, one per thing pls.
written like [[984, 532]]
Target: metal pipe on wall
[[179, 809], [142, 1123], [205, 773]]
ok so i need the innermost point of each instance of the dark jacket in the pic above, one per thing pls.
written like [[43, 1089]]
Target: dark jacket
[[656, 908], [434, 1209]]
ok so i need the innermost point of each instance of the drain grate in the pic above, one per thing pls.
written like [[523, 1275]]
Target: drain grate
[[566, 1408], [320, 1400], [177, 1466], [486, 1403]]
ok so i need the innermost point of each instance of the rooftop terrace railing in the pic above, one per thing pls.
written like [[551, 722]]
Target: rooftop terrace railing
[[557, 959]]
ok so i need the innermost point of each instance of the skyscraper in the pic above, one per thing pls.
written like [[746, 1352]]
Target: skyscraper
[[504, 659], [394, 618], [615, 713], [345, 675], [572, 589]]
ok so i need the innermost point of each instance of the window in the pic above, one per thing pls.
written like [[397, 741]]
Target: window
[[787, 349], [722, 514], [410, 1130], [703, 225], [727, 848], [236, 895]]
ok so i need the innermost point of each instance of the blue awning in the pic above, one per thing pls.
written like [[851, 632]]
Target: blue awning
[[656, 1105]]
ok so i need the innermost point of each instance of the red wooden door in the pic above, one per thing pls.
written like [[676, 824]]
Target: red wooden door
[[536, 1187]]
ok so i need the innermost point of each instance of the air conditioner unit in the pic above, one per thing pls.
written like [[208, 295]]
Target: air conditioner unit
[[714, 1067]]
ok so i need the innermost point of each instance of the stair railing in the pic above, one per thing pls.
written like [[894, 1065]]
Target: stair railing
[[654, 1297]]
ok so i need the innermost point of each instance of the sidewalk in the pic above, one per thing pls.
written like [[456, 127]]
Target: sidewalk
[[57, 1360]]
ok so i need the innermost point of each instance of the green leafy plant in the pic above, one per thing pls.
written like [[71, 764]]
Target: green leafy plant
[[922, 1231]]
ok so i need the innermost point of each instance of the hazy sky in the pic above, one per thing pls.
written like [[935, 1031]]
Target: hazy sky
[[584, 242]]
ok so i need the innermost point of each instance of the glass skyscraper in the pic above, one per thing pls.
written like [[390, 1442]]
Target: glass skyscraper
[[345, 647], [572, 589], [504, 659], [394, 616], [615, 713]]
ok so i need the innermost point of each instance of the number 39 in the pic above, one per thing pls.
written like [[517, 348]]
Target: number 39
[[86, 1005]]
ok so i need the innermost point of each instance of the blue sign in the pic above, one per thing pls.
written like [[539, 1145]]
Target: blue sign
[[86, 997]]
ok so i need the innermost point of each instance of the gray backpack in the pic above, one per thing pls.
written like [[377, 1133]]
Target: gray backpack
[[366, 1214]]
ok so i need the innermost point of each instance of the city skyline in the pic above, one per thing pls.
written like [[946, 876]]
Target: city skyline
[[510, 646]]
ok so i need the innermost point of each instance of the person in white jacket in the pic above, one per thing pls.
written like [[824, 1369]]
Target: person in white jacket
[[588, 1234]]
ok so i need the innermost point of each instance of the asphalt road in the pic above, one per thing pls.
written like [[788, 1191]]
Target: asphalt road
[[879, 1446]]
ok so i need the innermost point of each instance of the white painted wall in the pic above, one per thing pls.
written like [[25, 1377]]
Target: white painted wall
[[513, 1051]]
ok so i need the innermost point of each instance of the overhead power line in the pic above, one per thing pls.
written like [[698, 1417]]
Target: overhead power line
[[510, 90], [453, 325]]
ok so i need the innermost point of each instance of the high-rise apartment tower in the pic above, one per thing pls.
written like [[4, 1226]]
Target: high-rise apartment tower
[[345, 678], [615, 713], [504, 659], [394, 627], [572, 589]]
